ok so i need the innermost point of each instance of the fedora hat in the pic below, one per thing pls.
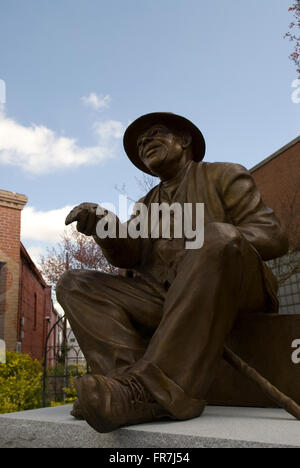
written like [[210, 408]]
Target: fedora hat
[[172, 121]]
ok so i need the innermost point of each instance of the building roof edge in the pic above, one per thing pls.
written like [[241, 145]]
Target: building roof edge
[[276, 154]]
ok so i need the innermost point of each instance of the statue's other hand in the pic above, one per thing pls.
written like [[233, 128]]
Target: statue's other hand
[[85, 215]]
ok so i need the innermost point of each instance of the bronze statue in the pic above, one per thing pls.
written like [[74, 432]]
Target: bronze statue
[[153, 339]]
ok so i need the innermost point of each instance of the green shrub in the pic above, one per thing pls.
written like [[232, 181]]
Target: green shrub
[[60, 370], [20, 383], [60, 387], [71, 393]]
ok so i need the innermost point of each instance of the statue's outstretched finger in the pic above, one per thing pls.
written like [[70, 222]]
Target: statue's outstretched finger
[[72, 216]]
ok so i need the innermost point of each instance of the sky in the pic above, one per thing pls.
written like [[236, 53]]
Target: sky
[[77, 72]]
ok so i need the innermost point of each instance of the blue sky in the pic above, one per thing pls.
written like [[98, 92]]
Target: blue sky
[[77, 71]]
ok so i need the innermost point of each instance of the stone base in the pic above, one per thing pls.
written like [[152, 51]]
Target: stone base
[[217, 427]]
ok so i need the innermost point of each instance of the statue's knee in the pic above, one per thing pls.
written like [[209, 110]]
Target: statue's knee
[[223, 237], [63, 280], [64, 284], [233, 247]]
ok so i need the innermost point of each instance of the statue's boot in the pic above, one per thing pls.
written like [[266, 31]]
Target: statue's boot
[[107, 403], [76, 410]]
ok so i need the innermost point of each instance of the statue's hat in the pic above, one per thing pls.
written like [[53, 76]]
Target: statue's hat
[[172, 121]]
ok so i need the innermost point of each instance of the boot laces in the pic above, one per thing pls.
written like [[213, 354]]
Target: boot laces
[[138, 393]]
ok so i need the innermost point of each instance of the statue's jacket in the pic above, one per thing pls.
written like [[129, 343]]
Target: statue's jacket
[[229, 195]]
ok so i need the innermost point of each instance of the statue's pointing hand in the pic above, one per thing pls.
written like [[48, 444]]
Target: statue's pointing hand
[[86, 216]]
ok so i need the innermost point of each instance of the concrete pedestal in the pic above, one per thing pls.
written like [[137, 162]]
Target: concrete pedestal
[[217, 427]]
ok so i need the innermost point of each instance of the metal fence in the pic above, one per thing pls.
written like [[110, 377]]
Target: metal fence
[[289, 295], [288, 267], [62, 363]]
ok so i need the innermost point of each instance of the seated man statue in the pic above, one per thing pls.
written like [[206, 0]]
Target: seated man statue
[[154, 338]]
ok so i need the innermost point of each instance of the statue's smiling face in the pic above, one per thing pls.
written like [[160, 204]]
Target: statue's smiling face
[[158, 147]]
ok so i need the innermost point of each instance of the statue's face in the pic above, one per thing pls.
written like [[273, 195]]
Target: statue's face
[[159, 147]]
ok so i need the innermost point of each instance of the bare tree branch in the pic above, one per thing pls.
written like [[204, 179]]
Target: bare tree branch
[[74, 251], [146, 183]]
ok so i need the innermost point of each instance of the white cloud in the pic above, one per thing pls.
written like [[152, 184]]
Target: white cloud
[[35, 253], [43, 226], [95, 101], [37, 149], [109, 129], [58, 308]]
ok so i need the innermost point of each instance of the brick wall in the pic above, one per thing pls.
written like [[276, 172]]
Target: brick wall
[[25, 298], [278, 179], [35, 307], [3, 274], [11, 205]]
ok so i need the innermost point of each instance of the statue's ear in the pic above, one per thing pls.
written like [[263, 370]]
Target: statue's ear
[[186, 140]]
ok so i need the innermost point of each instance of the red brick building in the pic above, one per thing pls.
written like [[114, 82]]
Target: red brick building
[[26, 309], [278, 179]]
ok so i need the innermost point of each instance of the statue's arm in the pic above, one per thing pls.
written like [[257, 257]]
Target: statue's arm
[[246, 209], [121, 251]]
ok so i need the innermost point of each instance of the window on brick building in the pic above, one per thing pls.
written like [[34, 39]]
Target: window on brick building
[[35, 312], [2, 297]]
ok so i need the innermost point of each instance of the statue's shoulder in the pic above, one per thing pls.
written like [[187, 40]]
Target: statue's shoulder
[[150, 196], [222, 170]]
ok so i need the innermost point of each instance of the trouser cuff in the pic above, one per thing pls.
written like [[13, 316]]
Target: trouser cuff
[[166, 392]]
